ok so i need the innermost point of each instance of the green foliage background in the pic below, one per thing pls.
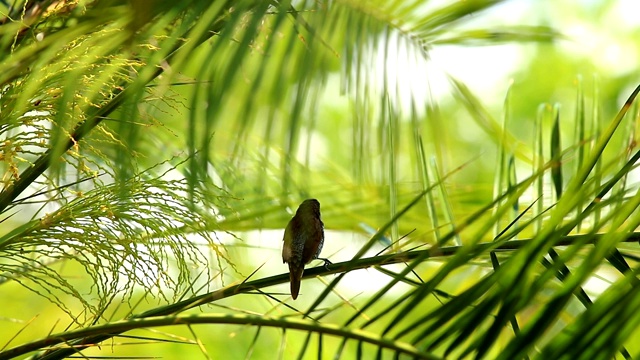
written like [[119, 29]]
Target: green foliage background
[[152, 153]]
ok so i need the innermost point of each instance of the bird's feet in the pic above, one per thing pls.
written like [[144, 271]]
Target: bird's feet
[[326, 262]]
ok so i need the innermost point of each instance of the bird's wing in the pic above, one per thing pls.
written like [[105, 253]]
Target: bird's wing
[[288, 240]]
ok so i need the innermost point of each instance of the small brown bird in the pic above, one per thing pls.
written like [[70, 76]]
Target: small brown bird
[[303, 240]]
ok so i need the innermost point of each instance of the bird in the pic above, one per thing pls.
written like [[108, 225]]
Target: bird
[[303, 241]]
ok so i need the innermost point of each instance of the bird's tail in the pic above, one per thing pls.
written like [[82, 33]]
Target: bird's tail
[[295, 275]]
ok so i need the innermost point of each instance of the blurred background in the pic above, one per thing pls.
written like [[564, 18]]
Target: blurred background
[[356, 127]]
